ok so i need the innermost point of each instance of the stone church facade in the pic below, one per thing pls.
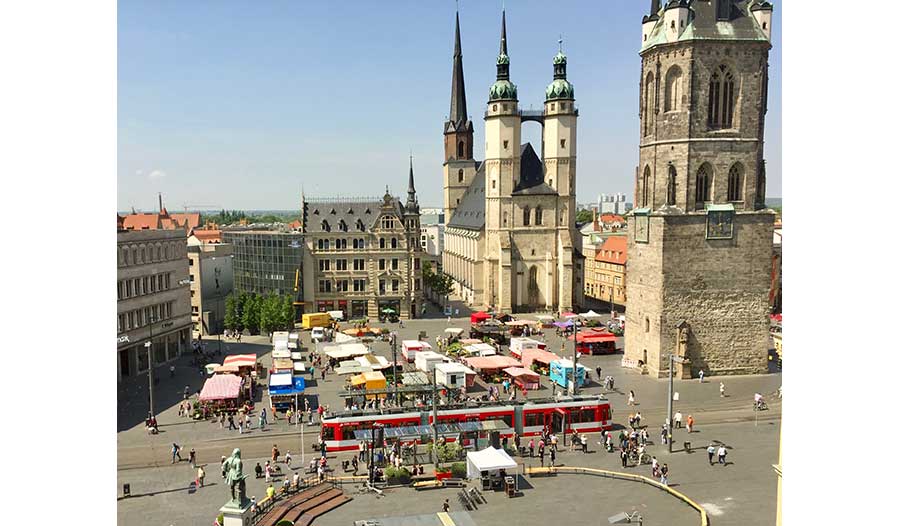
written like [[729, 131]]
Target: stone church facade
[[510, 241], [700, 238]]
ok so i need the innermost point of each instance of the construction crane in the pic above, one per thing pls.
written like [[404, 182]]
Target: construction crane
[[198, 207]]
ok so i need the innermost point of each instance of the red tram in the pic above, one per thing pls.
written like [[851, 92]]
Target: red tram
[[581, 413]]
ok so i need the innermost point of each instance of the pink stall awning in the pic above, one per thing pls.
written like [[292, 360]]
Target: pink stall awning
[[240, 360], [221, 387], [491, 362]]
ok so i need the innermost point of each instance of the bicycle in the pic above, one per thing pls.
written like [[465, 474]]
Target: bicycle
[[760, 406]]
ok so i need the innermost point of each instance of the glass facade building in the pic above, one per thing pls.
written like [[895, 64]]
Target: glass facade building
[[267, 261]]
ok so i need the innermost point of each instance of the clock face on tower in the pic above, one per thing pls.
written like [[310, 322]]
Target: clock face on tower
[[642, 229], [720, 224]]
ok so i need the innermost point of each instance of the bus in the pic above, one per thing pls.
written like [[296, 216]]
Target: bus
[[527, 418]]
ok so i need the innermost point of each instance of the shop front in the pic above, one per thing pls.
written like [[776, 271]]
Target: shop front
[[389, 309], [324, 305], [342, 306], [358, 309]]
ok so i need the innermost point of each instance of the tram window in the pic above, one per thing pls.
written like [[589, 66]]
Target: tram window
[[348, 432], [604, 413], [327, 433], [588, 415], [508, 420], [534, 419]]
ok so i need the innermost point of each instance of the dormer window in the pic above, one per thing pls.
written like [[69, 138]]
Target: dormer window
[[343, 226], [316, 211], [350, 211], [505, 145], [325, 226], [333, 211], [359, 225]]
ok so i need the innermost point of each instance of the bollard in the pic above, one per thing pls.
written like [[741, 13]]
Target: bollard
[[126, 490], [687, 447]]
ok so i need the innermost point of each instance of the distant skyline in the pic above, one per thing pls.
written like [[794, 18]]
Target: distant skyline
[[237, 105]]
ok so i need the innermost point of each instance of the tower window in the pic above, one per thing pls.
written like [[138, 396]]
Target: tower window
[[538, 216], [648, 104], [735, 183], [646, 324], [673, 89], [493, 183], [562, 106], [645, 187], [504, 218], [562, 143], [461, 150], [526, 216], [673, 24], [704, 174], [505, 145], [494, 108], [764, 25], [459, 175], [721, 98], [670, 188], [552, 107]]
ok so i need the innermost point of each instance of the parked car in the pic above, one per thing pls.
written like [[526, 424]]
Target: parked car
[[318, 334]]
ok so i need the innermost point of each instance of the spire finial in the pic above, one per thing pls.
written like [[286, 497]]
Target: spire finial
[[560, 43], [503, 34]]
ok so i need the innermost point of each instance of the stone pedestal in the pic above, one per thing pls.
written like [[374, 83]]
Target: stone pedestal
[[235, 516], [683, 370]]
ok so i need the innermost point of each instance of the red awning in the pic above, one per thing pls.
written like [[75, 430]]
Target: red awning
[[240, 360], [594, 337], [221, 387], [478, 317]]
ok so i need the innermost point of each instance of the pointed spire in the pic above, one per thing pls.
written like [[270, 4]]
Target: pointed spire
[[160, 202], [458, 111], [503, 35], [412, 202]]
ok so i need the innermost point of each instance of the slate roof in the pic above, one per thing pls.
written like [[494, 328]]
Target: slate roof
[[702, 24], [353, 214], [470, 212], [531, 176]]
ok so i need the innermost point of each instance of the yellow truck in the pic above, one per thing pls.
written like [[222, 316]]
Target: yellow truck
[[316, 319]]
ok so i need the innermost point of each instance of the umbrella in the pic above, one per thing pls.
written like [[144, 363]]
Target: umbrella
[[388, 310], [569, 315]]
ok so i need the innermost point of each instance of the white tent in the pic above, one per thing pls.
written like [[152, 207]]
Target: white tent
[[488, 459], [347, 350], [336, 314], [590, 315], [340, 337]]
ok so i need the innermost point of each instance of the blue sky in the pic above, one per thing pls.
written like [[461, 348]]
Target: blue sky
[[238, 104]]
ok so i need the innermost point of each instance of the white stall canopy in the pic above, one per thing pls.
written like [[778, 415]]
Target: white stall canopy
[[488, 459]]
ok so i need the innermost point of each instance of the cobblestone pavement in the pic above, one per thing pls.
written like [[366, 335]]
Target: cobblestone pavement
[[741, 493]]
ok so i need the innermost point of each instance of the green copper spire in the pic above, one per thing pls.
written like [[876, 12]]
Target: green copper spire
[[503, 89], [560, 88]]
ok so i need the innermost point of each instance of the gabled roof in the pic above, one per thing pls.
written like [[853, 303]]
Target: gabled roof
[[611, 218], [531, 175], [188, 221], [317, 212], [617, 246], [470, 212]]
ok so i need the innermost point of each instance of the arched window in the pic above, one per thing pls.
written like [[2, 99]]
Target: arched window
[[673, 89], [645, 187], [459, 176], [393, 242], [736, 183], [504, 218], [461, 150], [325, 226], [381, 243], [646, 324], [526, 216], [125, 257], [721, 98], [704, 176], [538, 216], [670, 187], [648, 104]]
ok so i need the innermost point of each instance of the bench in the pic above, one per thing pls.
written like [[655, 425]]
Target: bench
[[428, 484], [454, 483]]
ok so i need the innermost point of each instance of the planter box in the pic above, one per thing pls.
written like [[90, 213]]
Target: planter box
[[441, 475]]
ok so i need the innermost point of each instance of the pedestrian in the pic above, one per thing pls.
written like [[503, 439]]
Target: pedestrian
[[275, 453], [268, 470], [623, 454], [201, 475], [241, 427], [584, 442], [362, 451], [446, 506], [721, 389], [678, 420], [287, 458], [690, 424], [598, 374], [176, 452], [309, 415], [711, 452], [172, 371], [701, 376], [630, 397], [192, 458], [663, 434], [722, 453], [654, 466], [270, 492], [531, 448], [637, 420], [231, 425], [664, 475], [323, 374], [541, 453], [552, 457]]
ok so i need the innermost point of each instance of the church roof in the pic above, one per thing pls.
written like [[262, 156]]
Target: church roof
[[326, 216], [531, 176], [739, 24], [470, 212]]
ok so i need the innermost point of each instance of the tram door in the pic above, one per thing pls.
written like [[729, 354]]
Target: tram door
[[555, 420]]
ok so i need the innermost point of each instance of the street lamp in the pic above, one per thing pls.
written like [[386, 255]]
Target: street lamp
[[673, 359], [149, 344]]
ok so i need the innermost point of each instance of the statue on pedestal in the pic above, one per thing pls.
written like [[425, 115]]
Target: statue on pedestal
[[234, 477]]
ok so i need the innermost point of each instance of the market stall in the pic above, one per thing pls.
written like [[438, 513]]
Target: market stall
[[524, 378], [281, 353], [426, 360], [454, 375], [517, 345], [346, 350], [241, 361], [545, 320], [478, 317], [282, 364], [376, 362], [409, 348], [480, 349], [221, 392], [489, 463], [561, 373], [595, 342], [284, 388], [490, 367], [491, 329], [539, 359], [369, 380], [453, 334]]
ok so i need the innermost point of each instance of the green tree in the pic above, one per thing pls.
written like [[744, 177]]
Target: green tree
[[251, 314], [584, 215], [287, 312], [439, 284], [231, 314]]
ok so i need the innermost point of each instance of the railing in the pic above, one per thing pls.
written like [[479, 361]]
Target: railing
[[704, 520], [266, 505]]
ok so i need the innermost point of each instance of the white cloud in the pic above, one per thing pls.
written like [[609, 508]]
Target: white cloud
[[157, 174], [140, 172]]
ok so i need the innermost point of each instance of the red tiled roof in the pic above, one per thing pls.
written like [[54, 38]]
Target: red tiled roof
[[187, 221], [141, 221], [617, 246], [208, 236], [611, 218], [295, 224]]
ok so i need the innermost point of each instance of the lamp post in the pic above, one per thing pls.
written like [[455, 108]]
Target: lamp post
[[149, 344], [670, 429], [574, 388]]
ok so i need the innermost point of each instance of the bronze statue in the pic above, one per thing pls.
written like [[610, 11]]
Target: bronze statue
[[234, 477]]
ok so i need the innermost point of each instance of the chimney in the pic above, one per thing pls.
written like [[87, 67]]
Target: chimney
[[160, 202], [596, 224]]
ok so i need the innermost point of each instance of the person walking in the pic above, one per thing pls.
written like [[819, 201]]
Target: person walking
[[664, 475], [541, 453], [446, 506], [711, 452], [201, 476], [722, 453], [721, 389], [275, 454], [623, 454], [584, 443], [637, 420], [192, 458], [552, 457], [531, 448], [678, 420], [268, 470], [362, 451], [172, 371], [701, 376], [231, 425], [663, 434], [630, 397], [287, 459], [690, 424], [176, 452]]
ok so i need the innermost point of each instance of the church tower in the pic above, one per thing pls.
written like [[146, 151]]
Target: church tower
[[559, 147], [502, 159], [459, 163], [700, 238]]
